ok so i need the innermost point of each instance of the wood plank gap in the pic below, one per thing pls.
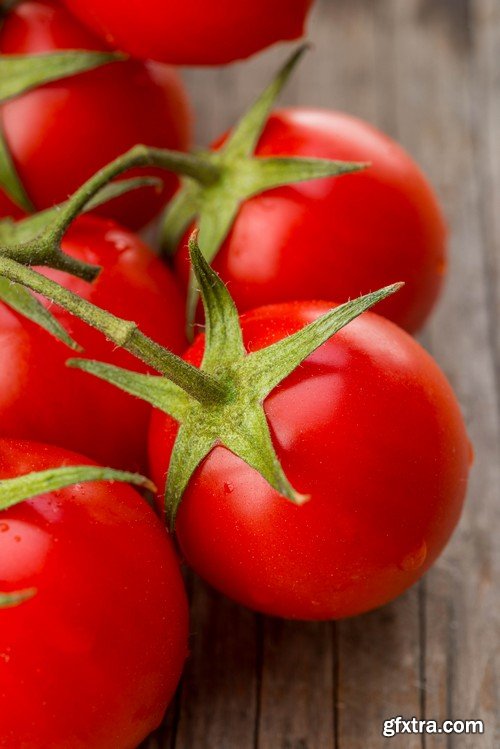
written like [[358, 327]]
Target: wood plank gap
[[336, 682], [422, 633], [450, 666], [259, 665]]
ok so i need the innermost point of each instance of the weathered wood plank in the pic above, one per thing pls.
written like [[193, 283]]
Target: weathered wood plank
[[378, 668], [219, 692], [296, 701], [435, 47]]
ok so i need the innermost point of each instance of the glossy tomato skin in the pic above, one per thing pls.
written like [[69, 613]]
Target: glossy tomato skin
[[190, 32], [341, 237], [370, 429], [61, 133], [42, 399], [93, 658]]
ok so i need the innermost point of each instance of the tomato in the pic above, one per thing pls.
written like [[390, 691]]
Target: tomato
[[94, 657], [61, 133], [340, 237], [190, 32], [41, 398], [369, 428], [9, 208]]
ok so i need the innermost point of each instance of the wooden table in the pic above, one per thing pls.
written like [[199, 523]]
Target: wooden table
[[428, 73]]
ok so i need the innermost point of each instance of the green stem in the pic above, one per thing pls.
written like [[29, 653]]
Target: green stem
[[45, 249], [189, 165], [202, 386], [42, 252]]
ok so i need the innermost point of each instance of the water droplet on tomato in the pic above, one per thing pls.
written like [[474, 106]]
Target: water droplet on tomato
[[228, 488], [415, 559], [120, 241]]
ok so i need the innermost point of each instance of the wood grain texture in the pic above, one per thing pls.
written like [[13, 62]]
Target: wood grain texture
[[427, 72]]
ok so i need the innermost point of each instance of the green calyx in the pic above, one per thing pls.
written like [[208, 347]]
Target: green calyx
[[16, 490], [21, 73], [22, 301], [11, 600], [235, 416], [241, 175], [10, 181]]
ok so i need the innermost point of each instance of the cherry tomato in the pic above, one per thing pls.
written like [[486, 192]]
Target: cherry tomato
[[94, 657], [341, 237], [190, 32], [61, 133], [370, 429], [41, 398]]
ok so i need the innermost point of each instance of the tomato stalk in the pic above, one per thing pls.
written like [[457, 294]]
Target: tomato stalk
[[41, 235]]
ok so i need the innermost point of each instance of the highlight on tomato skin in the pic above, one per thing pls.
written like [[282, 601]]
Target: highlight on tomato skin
[[94, 656], [193, 32], [41, 398], [339, 237], [369, 427], [61, 133]]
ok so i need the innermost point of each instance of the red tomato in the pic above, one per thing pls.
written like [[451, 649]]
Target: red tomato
[[94, 657], [9, 208], [61, 133], [369, 427], [341, 237], [190, 32], [42, 399]]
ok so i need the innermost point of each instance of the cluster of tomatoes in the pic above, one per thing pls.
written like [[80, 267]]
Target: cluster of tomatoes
[[367, 426]]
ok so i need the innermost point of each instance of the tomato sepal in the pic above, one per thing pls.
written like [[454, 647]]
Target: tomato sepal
[[22, 301], [16, 598], [9, 178], [18, 489], [21, 73]]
